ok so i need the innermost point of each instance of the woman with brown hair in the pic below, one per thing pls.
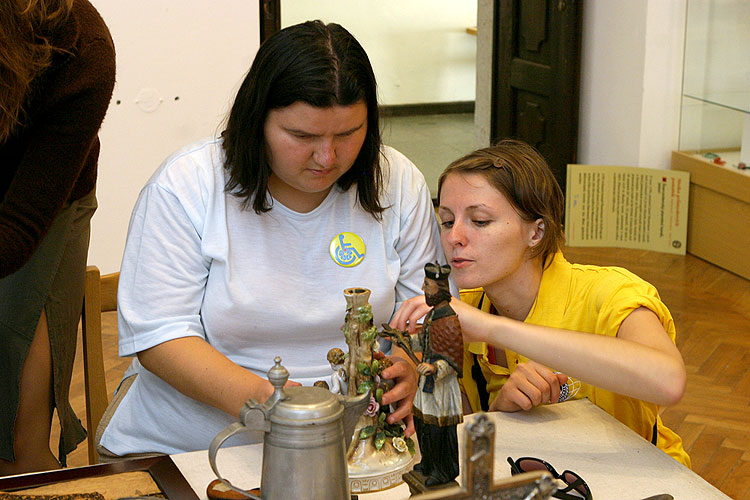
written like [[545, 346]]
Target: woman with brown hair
[[57, 72], [531, 318]]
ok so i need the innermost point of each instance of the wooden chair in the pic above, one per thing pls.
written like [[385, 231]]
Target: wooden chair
[[100, 295]]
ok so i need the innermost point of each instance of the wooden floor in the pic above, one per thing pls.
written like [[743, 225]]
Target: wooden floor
[[711, 308]]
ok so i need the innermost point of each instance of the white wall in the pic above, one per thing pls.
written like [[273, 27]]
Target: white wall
[[178, 67], [662, 82], [631, 79], [419, 49], [613, 50], [482, 107]]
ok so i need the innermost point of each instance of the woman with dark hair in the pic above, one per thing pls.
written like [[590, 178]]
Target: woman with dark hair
[[531, 318], [240, 247], [321, 66], [57, 72]]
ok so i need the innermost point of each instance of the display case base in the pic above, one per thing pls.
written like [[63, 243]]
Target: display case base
[[719, 210]]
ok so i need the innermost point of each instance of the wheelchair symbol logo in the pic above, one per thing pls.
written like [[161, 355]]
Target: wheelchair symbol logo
[[347, 249]]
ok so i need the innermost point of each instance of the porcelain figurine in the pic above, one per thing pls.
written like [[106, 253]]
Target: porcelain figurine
[[339, 377], [378, 449]]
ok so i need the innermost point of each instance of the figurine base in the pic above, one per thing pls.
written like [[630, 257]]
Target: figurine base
[[417, 486], [379, 479]]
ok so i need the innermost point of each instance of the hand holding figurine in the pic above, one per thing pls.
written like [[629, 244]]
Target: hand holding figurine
[[401, 395], [426, 369]]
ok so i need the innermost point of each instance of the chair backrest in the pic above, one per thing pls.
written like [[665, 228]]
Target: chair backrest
[[100, 295]]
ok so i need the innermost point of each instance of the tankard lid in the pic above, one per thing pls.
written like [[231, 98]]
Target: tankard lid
[[307, 406]]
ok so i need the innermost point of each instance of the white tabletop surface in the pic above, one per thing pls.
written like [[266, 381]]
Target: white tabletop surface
[[616, 463]]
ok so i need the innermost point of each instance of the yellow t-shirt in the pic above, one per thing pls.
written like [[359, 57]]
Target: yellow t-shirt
[[586, 299]]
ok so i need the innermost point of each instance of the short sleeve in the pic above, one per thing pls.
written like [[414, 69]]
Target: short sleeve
[[628, 295], [163, 274]]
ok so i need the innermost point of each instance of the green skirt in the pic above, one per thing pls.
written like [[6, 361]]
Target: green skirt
[[52, 279]]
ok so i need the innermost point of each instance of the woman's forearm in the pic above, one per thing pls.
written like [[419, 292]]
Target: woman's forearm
[[617, 365], [198, 370], [650, 370]]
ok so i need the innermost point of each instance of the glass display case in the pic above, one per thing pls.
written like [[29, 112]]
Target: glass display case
[[715, 131], [716, 81]]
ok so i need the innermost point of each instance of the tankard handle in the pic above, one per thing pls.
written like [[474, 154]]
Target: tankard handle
[[219, 440]]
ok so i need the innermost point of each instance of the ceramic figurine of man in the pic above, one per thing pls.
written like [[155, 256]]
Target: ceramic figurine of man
[[437, 404]]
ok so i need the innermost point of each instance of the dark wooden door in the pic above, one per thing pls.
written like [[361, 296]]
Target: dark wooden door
[[270, 18], [536, 65]]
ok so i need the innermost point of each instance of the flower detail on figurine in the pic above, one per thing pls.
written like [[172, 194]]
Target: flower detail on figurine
[[372, 408], [399, 443]]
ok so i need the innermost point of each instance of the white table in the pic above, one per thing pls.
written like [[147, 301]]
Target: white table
[[616, 463]]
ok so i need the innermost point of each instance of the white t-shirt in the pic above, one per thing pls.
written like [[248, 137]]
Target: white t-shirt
[[254, 286]]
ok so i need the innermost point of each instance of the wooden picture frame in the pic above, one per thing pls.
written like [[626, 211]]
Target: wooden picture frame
[[162, 470]]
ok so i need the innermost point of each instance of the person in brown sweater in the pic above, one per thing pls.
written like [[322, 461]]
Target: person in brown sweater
[[57, 74]]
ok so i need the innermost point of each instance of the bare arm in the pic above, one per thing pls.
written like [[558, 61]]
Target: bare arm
[[641, 361], [195, 368]]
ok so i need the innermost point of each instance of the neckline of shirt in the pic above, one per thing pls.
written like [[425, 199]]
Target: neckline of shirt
[[327, 202]]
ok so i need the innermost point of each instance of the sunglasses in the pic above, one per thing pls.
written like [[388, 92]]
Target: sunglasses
[[574, 482]]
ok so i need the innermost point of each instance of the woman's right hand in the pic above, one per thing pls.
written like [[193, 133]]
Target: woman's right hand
[[473, 321], [408, 315], [531, 384]]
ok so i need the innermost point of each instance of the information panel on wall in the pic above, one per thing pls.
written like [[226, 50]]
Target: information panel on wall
[[627, 207]]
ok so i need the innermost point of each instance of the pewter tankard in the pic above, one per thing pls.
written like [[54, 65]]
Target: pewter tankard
[[307, 431]]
